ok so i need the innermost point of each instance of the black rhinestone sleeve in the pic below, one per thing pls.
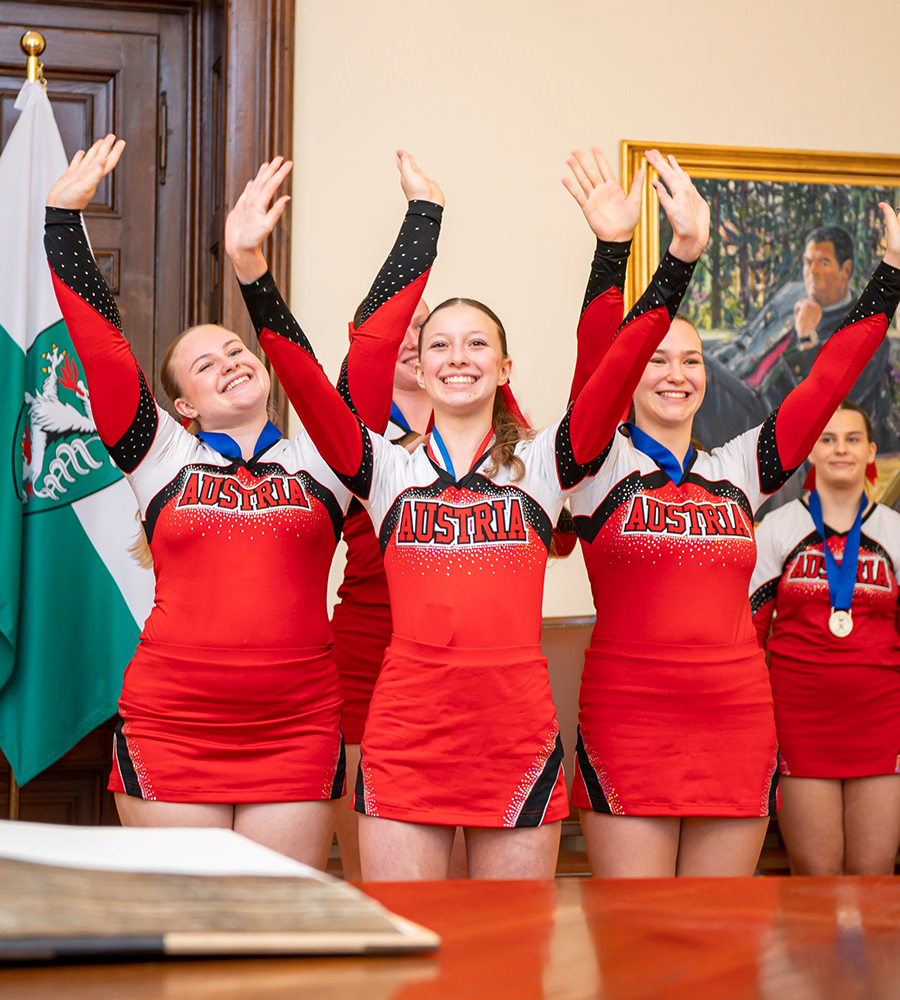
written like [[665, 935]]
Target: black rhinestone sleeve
[[569, 470], [131, 448], [269, 311], [121, 397], [667, 288], [881, 295], [772, 472], [608, 270], [413, 253], [70, 257], [763, 594], [343, 384]]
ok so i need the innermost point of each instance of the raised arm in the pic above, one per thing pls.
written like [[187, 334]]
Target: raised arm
[[334, 429], [122, 405], [366, 379], [595, 414], [805, 411], [367, 375], [612, 217]]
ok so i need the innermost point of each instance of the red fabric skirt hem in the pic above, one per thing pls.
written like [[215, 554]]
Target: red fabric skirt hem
[[462, 736], [677, 730], [257, 725], [835, 720]]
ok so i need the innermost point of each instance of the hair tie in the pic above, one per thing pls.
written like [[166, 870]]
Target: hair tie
[[513, 407], [872, 472]]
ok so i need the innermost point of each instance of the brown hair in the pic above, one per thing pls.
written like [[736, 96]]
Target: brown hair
[[854, 408], [508, 432], [684, 319]]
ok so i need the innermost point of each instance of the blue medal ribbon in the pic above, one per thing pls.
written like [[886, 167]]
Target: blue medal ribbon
[[398, 418], [227, 446], [660, 453], [442, 448], [841, 576]]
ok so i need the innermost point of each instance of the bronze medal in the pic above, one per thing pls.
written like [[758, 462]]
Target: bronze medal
[[840, 623]]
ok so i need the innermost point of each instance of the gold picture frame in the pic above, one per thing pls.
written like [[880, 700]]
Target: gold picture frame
[[787, 166], [807, 166]]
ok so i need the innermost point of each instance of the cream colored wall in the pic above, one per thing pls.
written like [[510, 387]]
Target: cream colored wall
[[490, 95]]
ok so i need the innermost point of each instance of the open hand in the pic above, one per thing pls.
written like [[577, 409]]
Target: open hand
[[892, 224], [686, 210], [611, 215], [251, 221], [416, 184], [77, 186]]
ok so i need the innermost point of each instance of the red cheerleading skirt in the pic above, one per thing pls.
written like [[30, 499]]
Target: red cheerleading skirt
[[676, 731], [836, 720], [462, 737], [361, 635], [229, 725]]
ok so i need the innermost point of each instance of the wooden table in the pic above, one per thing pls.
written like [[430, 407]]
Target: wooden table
[[697, 939]]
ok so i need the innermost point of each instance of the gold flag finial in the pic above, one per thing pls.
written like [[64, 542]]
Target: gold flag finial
[[33, 44]]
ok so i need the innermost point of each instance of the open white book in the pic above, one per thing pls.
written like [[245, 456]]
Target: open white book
[[111, 891]]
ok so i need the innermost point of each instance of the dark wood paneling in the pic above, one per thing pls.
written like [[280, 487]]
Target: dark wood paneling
[[73, 790], [226, 69], [259, 125]]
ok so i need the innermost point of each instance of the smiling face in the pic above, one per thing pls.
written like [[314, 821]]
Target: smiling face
[[405, 369], [221, 383], [843, 451], [461, 361], [826, 281], [674, 381]]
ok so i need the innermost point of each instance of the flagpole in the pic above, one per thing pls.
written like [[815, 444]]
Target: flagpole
[[32, 44], [13, 797]]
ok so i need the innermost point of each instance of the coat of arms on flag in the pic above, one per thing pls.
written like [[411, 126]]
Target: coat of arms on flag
[[72, 600]]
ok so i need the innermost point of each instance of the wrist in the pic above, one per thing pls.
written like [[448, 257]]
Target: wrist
[[248, 264], [686, 250]]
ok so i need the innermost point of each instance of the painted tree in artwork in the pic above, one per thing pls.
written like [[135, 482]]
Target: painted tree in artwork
[[758, 229]]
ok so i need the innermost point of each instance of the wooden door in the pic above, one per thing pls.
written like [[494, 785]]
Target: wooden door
[[202, 92], [101, 80]]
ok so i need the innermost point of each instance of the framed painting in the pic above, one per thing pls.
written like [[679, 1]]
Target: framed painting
[[794, 237]]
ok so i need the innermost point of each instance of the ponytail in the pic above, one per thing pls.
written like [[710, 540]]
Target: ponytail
[[508, 432]]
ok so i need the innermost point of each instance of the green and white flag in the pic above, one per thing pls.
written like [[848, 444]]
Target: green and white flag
[[72, 600]]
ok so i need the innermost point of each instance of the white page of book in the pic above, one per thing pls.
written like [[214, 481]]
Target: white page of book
[[194, 851]]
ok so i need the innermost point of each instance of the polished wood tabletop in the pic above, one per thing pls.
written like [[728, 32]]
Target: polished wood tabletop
[[568, 939]]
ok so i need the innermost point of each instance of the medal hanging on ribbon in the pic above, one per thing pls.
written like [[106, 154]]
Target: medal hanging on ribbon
[[841, 577]]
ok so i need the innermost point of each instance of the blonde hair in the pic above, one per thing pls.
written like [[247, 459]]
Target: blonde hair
[[139, 549]]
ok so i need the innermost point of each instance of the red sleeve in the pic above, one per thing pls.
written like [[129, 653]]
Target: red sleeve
[[602, 311], [121, 403], [367, 376], [335, 431], [840, 361], [597, 411]]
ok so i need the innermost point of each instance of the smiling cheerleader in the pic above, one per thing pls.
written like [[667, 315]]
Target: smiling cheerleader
[[462, 729], [827, 574], [676, 758]]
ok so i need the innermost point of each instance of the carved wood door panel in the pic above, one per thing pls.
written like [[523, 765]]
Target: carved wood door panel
[[99, 81]]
